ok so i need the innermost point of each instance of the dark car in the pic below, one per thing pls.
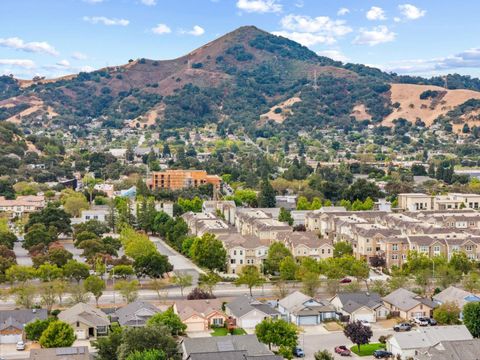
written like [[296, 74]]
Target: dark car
[[345, 281], [432, 322], [298, 352], [342, 350], [382, 354], [402, 327]]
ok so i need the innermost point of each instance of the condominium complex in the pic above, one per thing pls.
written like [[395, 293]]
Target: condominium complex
[[420, 202], [180, 179], [22, 204]]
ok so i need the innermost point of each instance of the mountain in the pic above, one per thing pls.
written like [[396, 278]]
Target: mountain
[[244, 78]]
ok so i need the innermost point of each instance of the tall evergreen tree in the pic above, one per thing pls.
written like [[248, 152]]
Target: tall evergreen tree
[[266, 197]]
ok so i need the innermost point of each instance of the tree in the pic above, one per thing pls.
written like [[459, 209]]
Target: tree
[[59, 287], [250, 276], [7, 239], [78, 294], [198, 294], [358, 333], [276, 253], [169, 319], [76, 270], [209, 280], [447, 314], [266, 196], [471, 318], [95, 285], [34, 329], [122, 271], [341, 249], [57, 334], [182, 280], [460, 262], [58, 256], [147, 338], [285, 216], [380, 287], [377, 261], [323, 355], [48, 296], [278, 333], [24, 295], [151, 354], [48, 272], [471, 282], [288, 268], [310, 283], [38, 234], [51, 216], [207, 251], [128, 289], [107, 346], [20, 273], [74, 202], [136, 244], [153, 265]]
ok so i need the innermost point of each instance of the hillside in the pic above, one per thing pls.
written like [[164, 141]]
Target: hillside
[[244, 78]]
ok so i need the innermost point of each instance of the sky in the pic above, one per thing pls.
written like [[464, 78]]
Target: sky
[[58, 37]]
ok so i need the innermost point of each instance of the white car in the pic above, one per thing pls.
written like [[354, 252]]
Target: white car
[[421, 322], [20, 346], [365, 323]]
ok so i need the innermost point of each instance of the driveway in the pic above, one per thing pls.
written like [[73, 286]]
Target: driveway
[[23, 257], [70, 247], [180, 263]]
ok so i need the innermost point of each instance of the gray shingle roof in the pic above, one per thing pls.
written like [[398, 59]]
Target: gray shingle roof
[[248, 343], [430, 336], [17, 318], [242, 305], [136, 313], [405, 300], [353, 301], [452, 350]]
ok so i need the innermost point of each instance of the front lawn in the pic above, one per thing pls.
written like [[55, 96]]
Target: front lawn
[[224, 332], [367, 349]]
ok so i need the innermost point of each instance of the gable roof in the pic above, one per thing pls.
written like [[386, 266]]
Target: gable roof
[[248, 343], [354, 301], [136, 313], [86, 314], [405, 300], [242, 305], [65, 353], [202, 308], [18, 318], [292, 301], [452, 350], [430, 336], [459, 296]]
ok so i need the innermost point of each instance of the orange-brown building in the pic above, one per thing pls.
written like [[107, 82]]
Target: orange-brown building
[[180, 179]]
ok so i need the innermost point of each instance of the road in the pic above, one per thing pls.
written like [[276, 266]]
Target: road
[[23, 257], [180, 263]]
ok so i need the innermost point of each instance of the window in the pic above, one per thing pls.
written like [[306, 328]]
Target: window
[[217, 321], [323, 251], [101, 329], [232, 261], [234, 252], [469, 247], [241, 261], [78, 323], [436, 248], [241, 252], [394, 247]]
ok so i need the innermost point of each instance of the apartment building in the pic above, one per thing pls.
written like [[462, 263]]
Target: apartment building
[[22, 204], [306, 244], [421, 202], [180, 179]]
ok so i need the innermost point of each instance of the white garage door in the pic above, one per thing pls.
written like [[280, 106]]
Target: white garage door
[[195, 326], [364, 317], [248, 323], [81, 334], [307, 320], [10, 339]]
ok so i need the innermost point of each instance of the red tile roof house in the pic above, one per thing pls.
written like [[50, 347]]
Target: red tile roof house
[[200, 315]]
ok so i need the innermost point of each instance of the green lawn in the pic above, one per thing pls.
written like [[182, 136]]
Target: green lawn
[[224, 332], [368, 349]]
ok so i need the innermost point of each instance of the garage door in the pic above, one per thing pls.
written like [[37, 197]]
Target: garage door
[[307, 320], [81, 334], [249, 323], [195, 326], [364, 317], [10, 339]]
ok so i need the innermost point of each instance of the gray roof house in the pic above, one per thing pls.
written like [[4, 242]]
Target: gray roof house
[[408, 344], [135, 314], [456, 295], [87, 321], [64, 353], [408, 304], [249, 312], [361, 306], [13, 321], [302, 309], [235, 347], [451, 350]]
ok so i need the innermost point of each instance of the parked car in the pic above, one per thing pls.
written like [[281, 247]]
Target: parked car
[[343, 350], [421, 321], [365, 323], [402, 327], [382, 354], [432, 321], [20, 346], [298, 352], [345, 281]]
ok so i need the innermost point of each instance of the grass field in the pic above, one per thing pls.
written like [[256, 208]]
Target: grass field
[[224, 332], [367, 349]]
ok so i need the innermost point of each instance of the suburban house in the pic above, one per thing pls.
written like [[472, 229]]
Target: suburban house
[[360, 306], [235, 347], [408, 344], [63, 353], [408, 305], [302, 309], [12, 323], [135, 314], [248, 312], [451, 350], [456, 295], [200, 315], [87, 321], [306, 243], [22, 204]]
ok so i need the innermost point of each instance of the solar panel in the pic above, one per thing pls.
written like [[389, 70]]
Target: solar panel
[[225, 346], [65, 351]]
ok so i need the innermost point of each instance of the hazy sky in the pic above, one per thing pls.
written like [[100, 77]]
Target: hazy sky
[[57, 37]]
